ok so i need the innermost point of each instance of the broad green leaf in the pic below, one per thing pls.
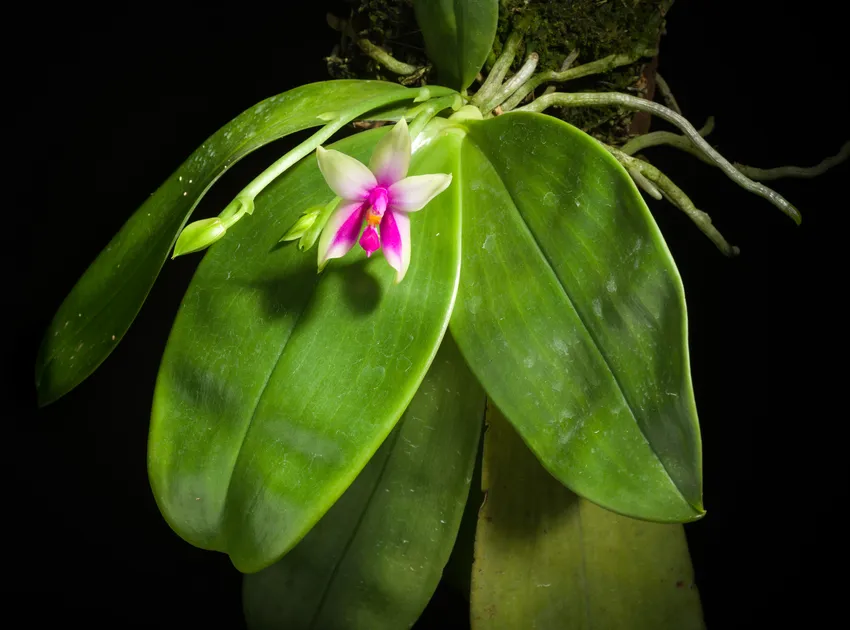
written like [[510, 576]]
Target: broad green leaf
[[278, 384], [571, 313], [458, 571], [458, 36], [102, 305], [374, 560], [547, 559]]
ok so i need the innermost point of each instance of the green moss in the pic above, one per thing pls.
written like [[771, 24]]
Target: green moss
[[597, 28], [390, 24], [553, 29]]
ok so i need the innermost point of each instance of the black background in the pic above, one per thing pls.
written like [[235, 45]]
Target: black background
[[114, 100]]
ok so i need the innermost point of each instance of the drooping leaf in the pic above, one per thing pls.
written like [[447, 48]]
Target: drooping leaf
[[545, 558], [277, 384], [571, 313], [458, 36], [100, 308], [458, 572], [374, 560]]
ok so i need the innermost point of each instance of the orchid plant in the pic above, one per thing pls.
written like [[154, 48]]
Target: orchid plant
[[509, 273]]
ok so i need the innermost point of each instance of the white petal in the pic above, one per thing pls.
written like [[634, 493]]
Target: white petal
[[414, 193], [391, 158], [347, 177]]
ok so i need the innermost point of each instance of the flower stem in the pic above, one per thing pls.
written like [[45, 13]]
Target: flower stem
[[796, 171], [676, 196], [302, 150], [512, 84], [500, 69], [594, 67], [235, 210], [309, 145], [579, 99]]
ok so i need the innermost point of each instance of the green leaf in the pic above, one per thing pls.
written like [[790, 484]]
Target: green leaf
[[458, 36], [102, 305], [548, 559], [458, 572], [571, 313], [376, 557], [277, 384]]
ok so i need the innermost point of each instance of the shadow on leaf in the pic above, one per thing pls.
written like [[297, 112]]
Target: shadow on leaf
[[360, 288], [287, 293]]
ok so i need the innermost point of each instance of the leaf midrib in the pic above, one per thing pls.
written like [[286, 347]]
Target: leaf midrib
[[222, 529], [355, 530], [581, 319]]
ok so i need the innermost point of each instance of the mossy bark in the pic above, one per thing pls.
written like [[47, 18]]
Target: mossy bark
[[389, 24], [555, 28]]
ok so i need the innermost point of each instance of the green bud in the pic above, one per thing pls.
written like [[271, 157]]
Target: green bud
[[304, 223], [423, 95], [198, 235], [311, 234]]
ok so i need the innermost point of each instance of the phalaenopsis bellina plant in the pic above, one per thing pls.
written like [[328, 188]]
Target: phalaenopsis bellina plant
[[323, 393]]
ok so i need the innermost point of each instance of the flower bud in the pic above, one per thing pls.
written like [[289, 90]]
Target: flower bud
[[304, 223], [198, 235], [311, 234]]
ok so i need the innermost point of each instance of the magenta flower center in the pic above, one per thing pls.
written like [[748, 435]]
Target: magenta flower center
[[370, 241], [378, 199], [376, 205]]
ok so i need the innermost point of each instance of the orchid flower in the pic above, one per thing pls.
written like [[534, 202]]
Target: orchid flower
[[380, 195]]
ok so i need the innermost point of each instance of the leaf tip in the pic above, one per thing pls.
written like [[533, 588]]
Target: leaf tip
[[44, 396], [698, 511]]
